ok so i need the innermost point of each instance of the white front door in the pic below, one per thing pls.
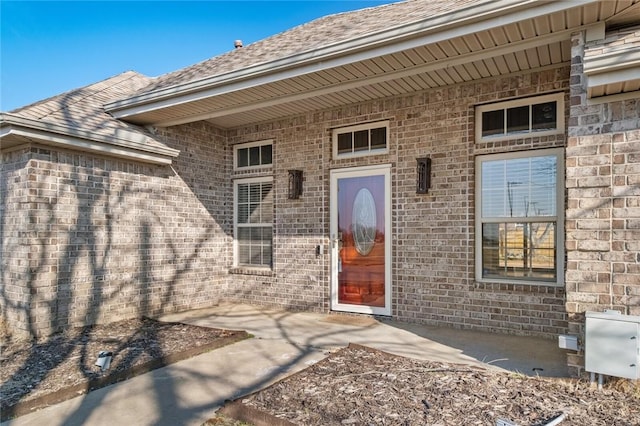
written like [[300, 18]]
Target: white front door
[[361, 240]]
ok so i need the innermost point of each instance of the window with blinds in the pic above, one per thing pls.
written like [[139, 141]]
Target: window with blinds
[[253, 228], [519, 217]]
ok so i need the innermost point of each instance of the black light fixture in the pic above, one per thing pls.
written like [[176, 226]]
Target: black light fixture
[[295, 184], [423, 178]]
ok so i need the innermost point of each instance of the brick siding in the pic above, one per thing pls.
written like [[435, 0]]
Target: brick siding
[[603, 212], [114, 239], [433, 235], [89, 239]]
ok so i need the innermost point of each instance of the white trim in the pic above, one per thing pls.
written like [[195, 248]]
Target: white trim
[[335, 174], [613, 98], [611, 68], [558, 218], [460, 22], [237, 182], [595, 32], [387, 76], [614, 76], [619, 59], [355, 128], [250, 145], [513, 103]]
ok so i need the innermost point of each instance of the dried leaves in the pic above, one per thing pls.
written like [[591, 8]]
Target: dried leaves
[[32, 369], [360, 386]]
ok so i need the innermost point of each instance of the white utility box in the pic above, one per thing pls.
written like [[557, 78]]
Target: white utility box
[[612, 344]]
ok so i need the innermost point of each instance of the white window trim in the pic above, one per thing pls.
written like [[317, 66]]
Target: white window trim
[[559, 218], [356, 128], [558, 97], [250, 145], [237, 182]]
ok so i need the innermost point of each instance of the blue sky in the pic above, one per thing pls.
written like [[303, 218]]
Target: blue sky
[[50, 47]]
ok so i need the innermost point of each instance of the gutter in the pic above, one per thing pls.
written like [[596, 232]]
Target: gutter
[[122, 143], [477, 17], [612, 61], [612, 68]]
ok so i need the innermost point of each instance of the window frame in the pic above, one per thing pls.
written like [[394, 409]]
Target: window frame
[[558, 219], [260, 143], [514, 103], [236, 254], [359, 127]]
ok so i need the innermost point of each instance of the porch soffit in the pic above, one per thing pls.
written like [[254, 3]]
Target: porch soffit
[[533, 38]]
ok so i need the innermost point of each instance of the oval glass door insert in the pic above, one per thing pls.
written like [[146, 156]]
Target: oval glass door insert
[[363, 221]]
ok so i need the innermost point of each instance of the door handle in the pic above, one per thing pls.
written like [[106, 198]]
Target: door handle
[[337, 241]]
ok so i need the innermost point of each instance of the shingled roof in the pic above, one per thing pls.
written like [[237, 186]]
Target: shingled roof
[[79, 115], [310, 36], [417, 44], [83, 107]]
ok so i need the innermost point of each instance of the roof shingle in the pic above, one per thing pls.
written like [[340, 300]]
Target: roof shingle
[[82, 108], [311, 36]]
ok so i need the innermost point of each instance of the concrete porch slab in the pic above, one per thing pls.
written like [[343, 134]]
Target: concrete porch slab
[[526, 355], [190, 391]]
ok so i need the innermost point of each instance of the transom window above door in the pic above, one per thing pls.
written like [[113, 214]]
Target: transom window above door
[[535, 116], [253, 154], [361, 140]]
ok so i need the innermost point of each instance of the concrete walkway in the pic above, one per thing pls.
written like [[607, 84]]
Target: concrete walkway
[[190, 391]]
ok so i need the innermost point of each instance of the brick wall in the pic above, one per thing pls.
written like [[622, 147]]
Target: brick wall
[[89, 239], [132, 238], [433, 234], [299, 280], [15, 232], [603, 214]]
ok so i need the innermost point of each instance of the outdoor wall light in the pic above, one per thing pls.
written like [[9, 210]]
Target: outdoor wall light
[[295, 184], [423, 178]]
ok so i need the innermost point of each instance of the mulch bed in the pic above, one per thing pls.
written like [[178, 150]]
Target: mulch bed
[[36, 374], [362, 386]]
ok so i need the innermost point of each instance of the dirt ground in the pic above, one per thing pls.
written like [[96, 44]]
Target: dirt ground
[[63, 365], [354, 386], [363, 386]]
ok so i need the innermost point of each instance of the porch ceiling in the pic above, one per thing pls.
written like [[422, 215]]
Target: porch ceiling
[[536, 37]]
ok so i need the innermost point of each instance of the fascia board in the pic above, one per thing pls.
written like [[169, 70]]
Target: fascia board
[[57, 135], [612, 61], [619, 97], [475, 18], [470, 57], [613, 77]]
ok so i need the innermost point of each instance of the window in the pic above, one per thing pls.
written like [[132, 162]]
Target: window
[[519, 216], [253, 222], [540, 116], [253, 154], [360, 140]]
